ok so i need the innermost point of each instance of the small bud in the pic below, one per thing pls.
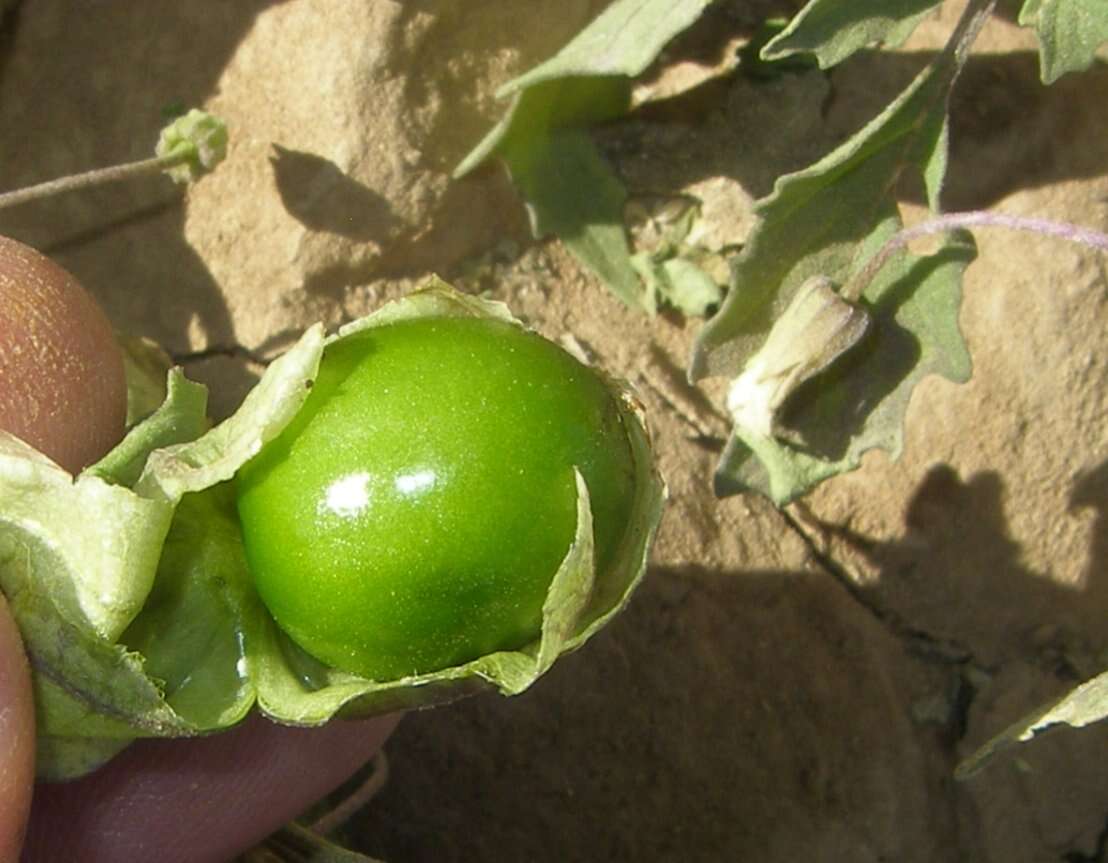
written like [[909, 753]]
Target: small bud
[[198, 139], [817, 327]]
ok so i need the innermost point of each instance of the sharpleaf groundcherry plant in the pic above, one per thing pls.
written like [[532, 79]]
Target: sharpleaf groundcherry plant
[[431, 502]]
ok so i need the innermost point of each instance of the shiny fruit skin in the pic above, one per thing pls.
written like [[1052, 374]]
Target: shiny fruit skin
[[413, 514], [62, 385]]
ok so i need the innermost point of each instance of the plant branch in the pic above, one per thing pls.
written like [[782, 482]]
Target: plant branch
[[189, 147], [90, 179], [857, 286], [357, 799]]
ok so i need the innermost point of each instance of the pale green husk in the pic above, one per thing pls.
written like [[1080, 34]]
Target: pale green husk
[[131, 590]]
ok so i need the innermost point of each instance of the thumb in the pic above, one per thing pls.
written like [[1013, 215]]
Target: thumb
[[17, 737], [62, 391]]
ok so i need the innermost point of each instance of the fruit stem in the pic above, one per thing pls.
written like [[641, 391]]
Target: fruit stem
[[91, 179], [857, 286], [356, 800]]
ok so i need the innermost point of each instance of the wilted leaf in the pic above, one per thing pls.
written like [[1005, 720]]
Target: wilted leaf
[[679, 282], [913, 310], [816, 329]]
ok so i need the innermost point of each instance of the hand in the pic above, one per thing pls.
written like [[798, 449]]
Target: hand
[[204, 799], [192, 801]]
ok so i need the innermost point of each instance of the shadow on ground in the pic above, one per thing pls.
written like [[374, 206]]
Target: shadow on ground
[[124, 242], [1005, 123], [773, 716]]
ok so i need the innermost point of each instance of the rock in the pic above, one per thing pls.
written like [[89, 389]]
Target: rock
[[346, 120], [1044, 800], [98, 100]]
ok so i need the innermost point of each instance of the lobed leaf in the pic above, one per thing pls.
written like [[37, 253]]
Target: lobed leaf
[[569, 189], [623, 40], [826, 221], [832, 30], [1069, 31]]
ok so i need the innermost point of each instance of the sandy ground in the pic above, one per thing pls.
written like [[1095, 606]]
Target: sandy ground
[[788, 685]]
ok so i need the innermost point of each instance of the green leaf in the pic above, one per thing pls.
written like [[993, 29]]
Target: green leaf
[[913, 308], [832, 30], [680, 282], [623, 40], [189, 629], [826, 221], [93, 546], [182, 417], [145, 367], [1069, 31], [552, 174], [1086, 704], [569, 190]]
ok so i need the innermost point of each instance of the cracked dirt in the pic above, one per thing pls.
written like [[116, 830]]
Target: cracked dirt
[[788, 685]]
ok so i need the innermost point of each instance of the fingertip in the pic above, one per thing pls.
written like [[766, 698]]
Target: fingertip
[[201, 800], [17, 737], [62, 381]]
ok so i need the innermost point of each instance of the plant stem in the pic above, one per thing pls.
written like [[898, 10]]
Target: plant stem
[[99, 177], [857, 286], [356, 800]]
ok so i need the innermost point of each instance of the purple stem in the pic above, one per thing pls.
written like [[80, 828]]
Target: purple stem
[[89, 179], [972, 219]]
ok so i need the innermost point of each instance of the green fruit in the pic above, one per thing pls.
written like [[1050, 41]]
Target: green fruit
[[413, 514]]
